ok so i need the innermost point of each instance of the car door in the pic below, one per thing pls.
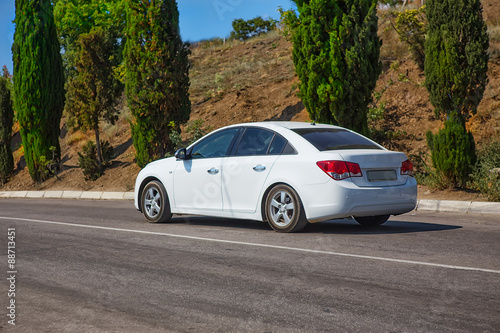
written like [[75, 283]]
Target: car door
[[245, 171], [198, 179]]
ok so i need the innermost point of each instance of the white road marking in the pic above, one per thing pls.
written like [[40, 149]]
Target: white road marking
[[279, 247]]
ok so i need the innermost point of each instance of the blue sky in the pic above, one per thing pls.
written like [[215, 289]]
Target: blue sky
[[199, 19]]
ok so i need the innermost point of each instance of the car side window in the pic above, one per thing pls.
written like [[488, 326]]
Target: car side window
[[215, 145], [255, 141], [277, 145], [289, 150]]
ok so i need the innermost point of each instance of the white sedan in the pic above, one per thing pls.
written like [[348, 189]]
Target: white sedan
[[284, 173]]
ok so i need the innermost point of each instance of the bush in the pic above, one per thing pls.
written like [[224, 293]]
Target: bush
[[87, 159], [288, 19], [196, 129], [410, 26], [453, 151], [486, 175]]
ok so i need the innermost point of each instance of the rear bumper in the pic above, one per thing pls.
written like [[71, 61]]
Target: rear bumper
[[341, 199]]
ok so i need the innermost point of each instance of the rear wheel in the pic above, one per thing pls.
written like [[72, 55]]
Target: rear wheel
[[372, 221], [155, 204], [284, 211]]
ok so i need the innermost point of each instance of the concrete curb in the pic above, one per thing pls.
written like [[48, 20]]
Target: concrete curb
[[464, 207], [444, 206], [89, 195]]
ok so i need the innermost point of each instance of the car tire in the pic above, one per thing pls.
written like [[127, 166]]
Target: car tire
[[283, 210], [372, 221], [155, 203]]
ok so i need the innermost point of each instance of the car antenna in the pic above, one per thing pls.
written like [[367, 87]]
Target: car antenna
[[315, 119]]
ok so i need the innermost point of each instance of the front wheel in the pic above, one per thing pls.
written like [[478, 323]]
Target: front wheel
[[372, 221], [155, 204], [284, 211]]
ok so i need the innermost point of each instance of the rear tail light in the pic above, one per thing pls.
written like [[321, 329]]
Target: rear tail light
[[407, 168], [339, 170]]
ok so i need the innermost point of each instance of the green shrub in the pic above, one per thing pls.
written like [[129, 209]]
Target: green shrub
[[453, 151], [87, 159], [288, 19], [107, 153], [175, 138], [486, 175], [196, 129], [377, 113], [410, 26]]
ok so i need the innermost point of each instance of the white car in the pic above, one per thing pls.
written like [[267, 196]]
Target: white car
[[284, 173]]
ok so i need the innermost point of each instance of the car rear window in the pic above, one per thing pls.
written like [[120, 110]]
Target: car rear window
[[334, 139]]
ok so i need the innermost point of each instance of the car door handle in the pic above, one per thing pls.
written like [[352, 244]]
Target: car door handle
[[259, 167], [213, 171]]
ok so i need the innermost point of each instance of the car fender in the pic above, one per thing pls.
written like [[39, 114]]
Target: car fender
[[161, 170]]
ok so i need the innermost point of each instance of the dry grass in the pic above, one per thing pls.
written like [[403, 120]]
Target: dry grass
[[75, 138], [220, 68], [494, 34]]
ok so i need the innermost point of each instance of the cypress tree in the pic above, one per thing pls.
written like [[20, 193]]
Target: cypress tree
[[6, 122], [157, 76], [456, 58], [456, 65], [336, 55], [38, 84]]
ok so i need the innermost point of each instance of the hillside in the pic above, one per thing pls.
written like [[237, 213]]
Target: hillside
[[255, 81]]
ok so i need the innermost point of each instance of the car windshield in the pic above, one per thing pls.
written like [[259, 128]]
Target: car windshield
[[334, 139]]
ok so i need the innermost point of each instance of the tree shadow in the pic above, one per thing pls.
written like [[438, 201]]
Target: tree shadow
[[65, 167], [117, 164], [15, 141], [288, 113], [20, 165], [119, 150], [64, 131], [65, 159]]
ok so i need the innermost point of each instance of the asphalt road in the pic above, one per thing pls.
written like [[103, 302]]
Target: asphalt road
[[96, 266]]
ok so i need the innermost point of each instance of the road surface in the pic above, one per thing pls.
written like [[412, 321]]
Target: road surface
[[96, 266]]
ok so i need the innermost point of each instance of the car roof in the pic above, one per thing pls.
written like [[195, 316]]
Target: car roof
[[286, 124], [285, 128]]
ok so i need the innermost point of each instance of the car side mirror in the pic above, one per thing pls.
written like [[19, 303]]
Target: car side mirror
[[181, 154]]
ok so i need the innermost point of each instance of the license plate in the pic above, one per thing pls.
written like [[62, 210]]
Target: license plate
[[382, 175]]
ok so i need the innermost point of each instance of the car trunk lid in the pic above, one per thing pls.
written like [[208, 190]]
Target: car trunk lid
[[378, 167]]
